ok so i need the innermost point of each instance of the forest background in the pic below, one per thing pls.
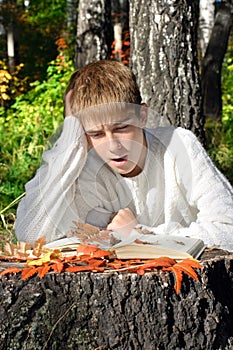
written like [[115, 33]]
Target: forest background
[[37, 57]]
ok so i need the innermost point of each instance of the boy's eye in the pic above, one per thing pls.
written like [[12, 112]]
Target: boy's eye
[[123, 127], [95, 135]]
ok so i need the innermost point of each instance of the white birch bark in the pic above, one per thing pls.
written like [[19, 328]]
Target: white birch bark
[[206, 23]]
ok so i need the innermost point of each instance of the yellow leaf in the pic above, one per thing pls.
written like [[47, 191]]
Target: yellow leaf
[[45, 258], [8, 76], [5, 96]]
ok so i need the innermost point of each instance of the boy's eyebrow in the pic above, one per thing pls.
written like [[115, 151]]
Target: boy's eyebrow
[[92, 131]]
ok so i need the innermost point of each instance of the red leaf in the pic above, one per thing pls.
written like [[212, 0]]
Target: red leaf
[[178, 276], [101, 253], [159, 262], [57, 267], [42, 270], [192, 262], [96, 262], [10, 270], [187, 266], [140, 271], [115, 264], [139, 241], [87, 249], [28, 272]]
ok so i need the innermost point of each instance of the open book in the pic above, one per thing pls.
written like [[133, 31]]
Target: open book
[[138, 246]]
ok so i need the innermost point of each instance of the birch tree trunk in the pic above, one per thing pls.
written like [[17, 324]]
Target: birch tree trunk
[[212, 63], [94, 32], [11, 48], [206, 23], [164, 58], [120, 19]]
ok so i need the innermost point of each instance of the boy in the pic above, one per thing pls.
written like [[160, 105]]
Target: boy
[[108, 170]]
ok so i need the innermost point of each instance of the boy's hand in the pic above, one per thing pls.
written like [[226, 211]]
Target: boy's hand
[[67, 106], [123, 222]]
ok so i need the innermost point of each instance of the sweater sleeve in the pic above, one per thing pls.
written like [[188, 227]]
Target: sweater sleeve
[[205, 189], [48, 208]]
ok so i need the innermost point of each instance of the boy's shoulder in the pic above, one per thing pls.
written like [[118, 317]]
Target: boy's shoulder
[[168, 134]]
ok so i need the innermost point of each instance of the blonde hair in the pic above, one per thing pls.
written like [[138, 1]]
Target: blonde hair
[[102, 82]]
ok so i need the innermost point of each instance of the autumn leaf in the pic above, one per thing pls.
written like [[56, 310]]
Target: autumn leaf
[[28, 272], [45, 258], [140, 271], [192, 262], [12, 258], [116, 264], [87, 249], [43, 270], [160, 262], [18, 251], [10, 270], [185, 266], [8, 248], [178, 277], [57, 266], [101, 253], [89, 257], [187, 270], [87, 229], [38, 245], [96, 262]]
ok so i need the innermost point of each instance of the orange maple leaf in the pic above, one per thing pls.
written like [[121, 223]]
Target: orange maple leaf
[[28, 272], [87, 249], [101, 253], [178, 277], [96, 262], [43, 270], [185, 266], [57, 266], [140, 271], [10, 270], [159, 262]]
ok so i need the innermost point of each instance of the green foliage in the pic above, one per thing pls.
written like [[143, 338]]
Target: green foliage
[[25, 127], [220, 133], [47, 14], [39, 25]]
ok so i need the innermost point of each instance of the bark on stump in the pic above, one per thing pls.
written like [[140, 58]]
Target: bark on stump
[[119, 311]]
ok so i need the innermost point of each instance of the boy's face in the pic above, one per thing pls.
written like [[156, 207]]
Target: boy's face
[[120, 142]]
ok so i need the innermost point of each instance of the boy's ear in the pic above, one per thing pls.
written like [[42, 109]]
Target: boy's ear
[[67, 103], [143, 114]]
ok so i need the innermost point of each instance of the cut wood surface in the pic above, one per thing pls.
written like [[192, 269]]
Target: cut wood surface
[[119, 310]]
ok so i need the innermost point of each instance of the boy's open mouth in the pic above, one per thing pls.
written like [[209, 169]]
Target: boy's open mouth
[[119, 161]]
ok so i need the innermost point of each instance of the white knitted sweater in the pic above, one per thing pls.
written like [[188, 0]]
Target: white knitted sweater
[[180, 191]]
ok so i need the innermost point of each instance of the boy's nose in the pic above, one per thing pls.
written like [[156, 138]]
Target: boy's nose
[[113, 144]]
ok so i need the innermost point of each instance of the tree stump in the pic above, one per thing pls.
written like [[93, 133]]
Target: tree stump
[[120, 310]]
